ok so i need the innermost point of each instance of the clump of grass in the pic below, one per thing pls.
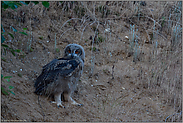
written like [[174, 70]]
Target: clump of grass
[[6, 79], [19, 74], [100, 39], [31, 50], [134, 45], [106, 71], [93, 49], [57, 50], [176, 36], [79, 11], [7, 48], [103, 10], [41, 37]]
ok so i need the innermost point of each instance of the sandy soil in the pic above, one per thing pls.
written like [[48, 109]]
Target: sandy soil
[[117, 84]]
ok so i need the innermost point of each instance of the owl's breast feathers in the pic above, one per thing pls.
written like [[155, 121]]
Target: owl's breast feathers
[[64, 67]]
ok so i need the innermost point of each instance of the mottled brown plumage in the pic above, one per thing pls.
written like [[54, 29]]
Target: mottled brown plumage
[[60, 76]]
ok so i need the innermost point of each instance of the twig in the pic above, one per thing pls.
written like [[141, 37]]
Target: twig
[[41, 109], [113, 72], [55, 42], [173, 115]]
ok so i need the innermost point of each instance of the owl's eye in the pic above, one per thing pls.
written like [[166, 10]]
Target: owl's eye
[[76, 51], [69, 51]]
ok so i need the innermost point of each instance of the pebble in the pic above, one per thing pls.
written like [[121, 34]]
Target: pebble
[[14, 71], [107, 30], [126, 37]]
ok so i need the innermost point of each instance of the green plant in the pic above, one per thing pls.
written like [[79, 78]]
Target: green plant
[[41, 37], [4, 33], [10, 4], [6, 47], [103, 10], [79, 11], [101, 39], [5, 80], [31, 50], [15, 4], [19, 74], [57, 50], [162, 23], [93, 49]]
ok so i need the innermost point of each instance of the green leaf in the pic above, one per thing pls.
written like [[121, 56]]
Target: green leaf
[[35, 2], [18, 4], [14, 29], [11, 92], [4, 5], [46, 4], [2, 38], [5, 51], [10, 87], [57, 50], [3, 91], [19, 74], [7, 77], [23, 33], [31, 50], [41, 37], [17, 50], [2, 28], [11, 35], [13, 52], [11, 4], [25, 3], [24, 28], [4, 45], [3, 59]]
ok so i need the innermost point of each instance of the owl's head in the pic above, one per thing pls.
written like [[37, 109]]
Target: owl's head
[[74, 50]]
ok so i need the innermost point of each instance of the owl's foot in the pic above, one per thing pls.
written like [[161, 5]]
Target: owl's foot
[[69, 99], [59, 104], [73, 102], [58, 100]]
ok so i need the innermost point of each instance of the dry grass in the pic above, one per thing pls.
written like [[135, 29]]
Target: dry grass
[[147, 36]]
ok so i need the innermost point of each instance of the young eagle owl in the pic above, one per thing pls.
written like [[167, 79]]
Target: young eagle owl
[[60, 76]]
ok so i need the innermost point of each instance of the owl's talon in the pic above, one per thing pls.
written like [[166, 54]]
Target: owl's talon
[[59, 104], [80, 105]]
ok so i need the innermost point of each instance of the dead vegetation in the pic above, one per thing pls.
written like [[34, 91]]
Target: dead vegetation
[[133, 65]]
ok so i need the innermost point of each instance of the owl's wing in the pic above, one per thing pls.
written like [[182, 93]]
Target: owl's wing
[[58, 67]]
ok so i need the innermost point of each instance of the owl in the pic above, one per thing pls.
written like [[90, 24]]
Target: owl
[[60, 76]]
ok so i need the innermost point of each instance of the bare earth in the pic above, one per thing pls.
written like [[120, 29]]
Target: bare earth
[[117, 84]]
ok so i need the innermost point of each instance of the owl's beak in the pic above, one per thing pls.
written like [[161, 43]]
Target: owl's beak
[[72, 55]]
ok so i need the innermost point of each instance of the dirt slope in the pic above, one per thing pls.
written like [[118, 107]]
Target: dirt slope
[[117, 84]]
